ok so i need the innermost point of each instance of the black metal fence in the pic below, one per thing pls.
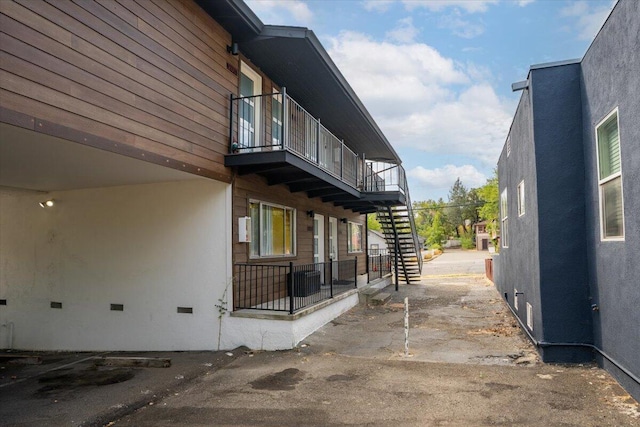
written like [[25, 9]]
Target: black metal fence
[[379, 265], [291, 287]]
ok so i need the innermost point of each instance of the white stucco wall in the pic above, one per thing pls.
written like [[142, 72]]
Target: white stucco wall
[[151, 247], [275, 334]]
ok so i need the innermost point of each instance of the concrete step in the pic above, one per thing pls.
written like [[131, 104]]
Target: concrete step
[[367, 294], [380, 298]]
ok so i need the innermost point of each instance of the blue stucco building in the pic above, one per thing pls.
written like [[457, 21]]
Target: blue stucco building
[[569, 182]]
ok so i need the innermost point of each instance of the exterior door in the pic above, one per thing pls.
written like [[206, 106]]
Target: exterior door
[[333, 245], [318, 239], [249, 107]]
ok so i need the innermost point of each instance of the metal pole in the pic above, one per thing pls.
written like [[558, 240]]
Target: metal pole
[[406, 326], [331, 277], [290, 286], [341, 159], [318, 142], [366, 234], [364, 168], [355, 278], [231, 123], [285, 119]]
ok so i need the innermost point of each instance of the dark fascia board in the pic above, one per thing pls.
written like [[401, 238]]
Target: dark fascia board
[[235, 16]]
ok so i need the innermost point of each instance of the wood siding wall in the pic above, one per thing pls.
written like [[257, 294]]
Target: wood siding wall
[[146, 78], [254, 187]]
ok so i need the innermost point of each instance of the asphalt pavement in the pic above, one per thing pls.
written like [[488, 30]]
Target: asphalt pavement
[[468, 364]]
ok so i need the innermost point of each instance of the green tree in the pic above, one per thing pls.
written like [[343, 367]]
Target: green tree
[[490, 209], [424, 212], [436, 232], [490, 199], [372, 222], [456, 208]]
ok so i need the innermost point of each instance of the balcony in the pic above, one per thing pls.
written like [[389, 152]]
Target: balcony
[[274, 136]]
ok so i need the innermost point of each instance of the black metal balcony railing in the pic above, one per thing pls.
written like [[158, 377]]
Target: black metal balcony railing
[[382, 176], [277, 122], [290, 288], [379, 265]]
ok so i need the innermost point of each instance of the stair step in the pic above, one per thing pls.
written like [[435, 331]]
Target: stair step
[[365, 295], [380, 299]]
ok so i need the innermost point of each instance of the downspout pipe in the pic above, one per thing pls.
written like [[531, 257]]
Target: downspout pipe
[[544, 344]]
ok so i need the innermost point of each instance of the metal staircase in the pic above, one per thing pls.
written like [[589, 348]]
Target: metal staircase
[[395, 215], [399, 229]]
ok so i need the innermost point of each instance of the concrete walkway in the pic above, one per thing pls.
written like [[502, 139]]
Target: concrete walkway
[[468, 365]]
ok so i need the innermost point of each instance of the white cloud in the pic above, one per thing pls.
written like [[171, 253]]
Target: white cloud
[[443, 178], [589, 18], [405, 31], [377, 5], [424, 100], [274, 12], [461, 27], [523, 3], [470, 6]]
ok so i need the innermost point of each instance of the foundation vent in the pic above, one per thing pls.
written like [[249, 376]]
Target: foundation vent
[[55, 304], [117, 307], [185, 310]]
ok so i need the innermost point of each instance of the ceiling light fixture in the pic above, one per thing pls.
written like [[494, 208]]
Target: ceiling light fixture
[[47, 203]]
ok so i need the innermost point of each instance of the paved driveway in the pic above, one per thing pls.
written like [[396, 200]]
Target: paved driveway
[[468, 365]]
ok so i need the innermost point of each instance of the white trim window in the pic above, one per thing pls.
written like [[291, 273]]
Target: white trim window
[[504, 229], [354, 237], [610, 178], [273, 230], [521, 198]]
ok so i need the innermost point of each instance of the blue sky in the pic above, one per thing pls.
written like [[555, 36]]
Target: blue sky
[[436, 74]]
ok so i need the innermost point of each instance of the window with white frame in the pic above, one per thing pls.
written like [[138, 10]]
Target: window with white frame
[[521, 198], [354, 236], [504, 230], [273, 230], [610, 178]]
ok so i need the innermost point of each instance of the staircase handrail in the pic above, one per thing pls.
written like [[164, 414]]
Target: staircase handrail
[[414, 231]]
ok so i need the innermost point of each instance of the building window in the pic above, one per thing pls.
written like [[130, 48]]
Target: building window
[[273, 230], [374, 249], [504, 230], [508, 145], [521, 198], [354, 234], [610, 178]]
